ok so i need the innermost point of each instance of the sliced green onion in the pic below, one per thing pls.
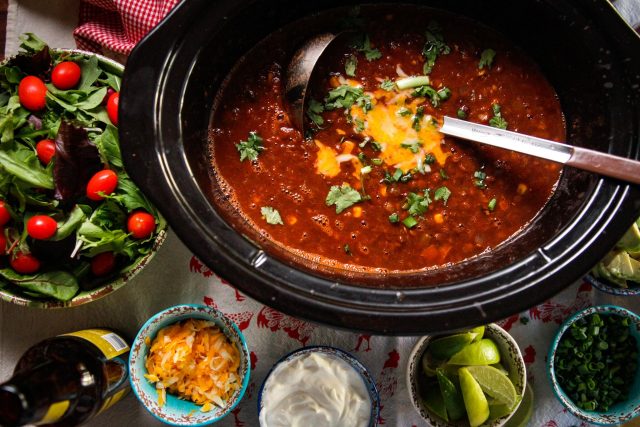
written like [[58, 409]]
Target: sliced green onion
[[409, 222], [411, 82], [365, 170]]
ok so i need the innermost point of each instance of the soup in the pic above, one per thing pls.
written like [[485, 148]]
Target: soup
[[373, 185]]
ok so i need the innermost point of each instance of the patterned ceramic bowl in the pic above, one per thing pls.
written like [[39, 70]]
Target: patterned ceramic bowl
[[13, 295], [511, 359], [609, 288], [176, 411], [337, 353], [619, 413]]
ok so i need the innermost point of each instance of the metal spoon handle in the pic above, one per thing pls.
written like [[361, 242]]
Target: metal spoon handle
[[577, 157], [605, 164]]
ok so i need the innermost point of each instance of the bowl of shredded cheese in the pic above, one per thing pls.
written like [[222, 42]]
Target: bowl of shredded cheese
[[189, 365]]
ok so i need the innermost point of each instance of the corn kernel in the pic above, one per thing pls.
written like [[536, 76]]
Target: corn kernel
[[522, 188], [291, 220], [438, 218], [340, 132], [357, 212], [383, 190]]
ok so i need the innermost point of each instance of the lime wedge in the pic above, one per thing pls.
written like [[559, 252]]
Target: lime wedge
[[479, 331], [474, 399], [523, 414], [483, 352], [498, 410], [501, 368], [495, 384], [429, 364], [631, 239], [445, 347], [434, 402], [451, 396]]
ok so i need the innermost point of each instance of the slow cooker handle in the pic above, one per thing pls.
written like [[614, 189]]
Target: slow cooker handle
[[141, 83]]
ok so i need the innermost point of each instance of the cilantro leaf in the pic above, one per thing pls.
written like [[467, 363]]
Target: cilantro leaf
[[350, 66], [442, 193], [403, 111], [417, 118], [250, 148], [271, 215], [413, 146], [497, 121], [461, 113], [394, 218], [342, 197], [345, 96], [314, 110], [434, 46], [359, 125], [479, 179], [486, 58], [387, 85], [370, 53], [417, 204]]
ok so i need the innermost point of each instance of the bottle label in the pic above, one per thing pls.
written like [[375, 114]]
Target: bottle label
[[109, 343], [54, 413]]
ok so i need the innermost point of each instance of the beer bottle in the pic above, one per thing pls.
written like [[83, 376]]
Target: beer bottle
[[66, 380]]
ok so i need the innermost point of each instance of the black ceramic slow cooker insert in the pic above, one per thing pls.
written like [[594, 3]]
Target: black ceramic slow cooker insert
[[587, 52]]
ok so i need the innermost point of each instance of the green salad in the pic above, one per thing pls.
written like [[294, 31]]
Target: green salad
[[71, 219]]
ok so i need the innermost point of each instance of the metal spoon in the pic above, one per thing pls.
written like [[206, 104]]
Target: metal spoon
[[577, 157], [300, 71]]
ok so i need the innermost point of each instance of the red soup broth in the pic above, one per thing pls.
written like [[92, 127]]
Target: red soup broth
[[409, 197]]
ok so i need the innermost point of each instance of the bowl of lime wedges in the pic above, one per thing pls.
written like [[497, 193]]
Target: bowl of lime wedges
[[470, 378]]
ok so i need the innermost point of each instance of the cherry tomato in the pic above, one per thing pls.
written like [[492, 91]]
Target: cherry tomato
[[104, 182], [32, 93], [3, 243], [5, 216], [103, 263], [46, 149], [112, 108], [110, 92], [24, 263], [66, 75], [141, 225], [41, 227]]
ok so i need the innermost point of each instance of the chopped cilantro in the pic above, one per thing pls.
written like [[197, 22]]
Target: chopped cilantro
[[394, 218], [410, 222], [403, 111], [314, 110], [271, 215], [362, 157], [350, 66], [342, 197], [345, 96], [369, 52], [492, 204], [359, 125], [415, 121], [250, 148], [376, 161], [413, 146], [497, 121], [430, 159], [442, 193], [486, 58], [434, 46], [479, 179], [443, 174], [417, 204], [462, 114], [436, 96], [387, 85], [347, 249]]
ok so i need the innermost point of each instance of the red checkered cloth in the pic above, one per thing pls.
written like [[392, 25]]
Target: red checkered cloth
[[117, 25]]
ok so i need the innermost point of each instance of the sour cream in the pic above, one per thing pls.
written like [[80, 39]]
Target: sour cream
[[313, 390]]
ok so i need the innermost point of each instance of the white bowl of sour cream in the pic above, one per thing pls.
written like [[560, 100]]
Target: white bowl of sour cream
[[318, 386]]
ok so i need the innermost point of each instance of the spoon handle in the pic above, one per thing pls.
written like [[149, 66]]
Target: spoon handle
[[605, 164], [578, 157]]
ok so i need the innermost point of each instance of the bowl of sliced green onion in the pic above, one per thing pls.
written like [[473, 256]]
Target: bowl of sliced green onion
[[593, 365]]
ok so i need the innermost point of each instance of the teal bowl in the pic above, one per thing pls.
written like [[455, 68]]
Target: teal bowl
[[176, 411], [620, 412]]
